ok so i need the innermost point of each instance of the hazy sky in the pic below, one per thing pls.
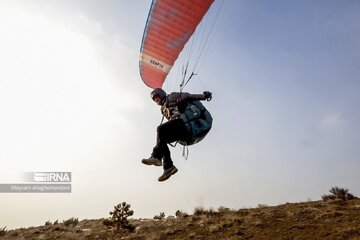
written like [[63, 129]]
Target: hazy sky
[[286, 108]]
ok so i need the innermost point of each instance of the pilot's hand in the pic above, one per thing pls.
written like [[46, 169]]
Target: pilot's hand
[[207, 95]]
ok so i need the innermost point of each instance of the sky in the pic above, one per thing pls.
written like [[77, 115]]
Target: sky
[[286, 108]]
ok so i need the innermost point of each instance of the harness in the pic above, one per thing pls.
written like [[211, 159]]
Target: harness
[[198, 122]]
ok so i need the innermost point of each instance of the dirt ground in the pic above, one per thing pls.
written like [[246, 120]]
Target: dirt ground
[[307, 220]]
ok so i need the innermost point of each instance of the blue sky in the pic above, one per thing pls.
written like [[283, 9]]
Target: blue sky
[[284, 77]]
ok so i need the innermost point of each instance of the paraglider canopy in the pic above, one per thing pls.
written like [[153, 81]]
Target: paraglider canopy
[[169, 26]]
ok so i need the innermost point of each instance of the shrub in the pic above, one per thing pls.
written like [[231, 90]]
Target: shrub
[[108, 222], [201, 211], [222, 209], [71, 221], [48, 223], [160, 216], [2, 231], [120, 214], [338, 194], [179, 213]]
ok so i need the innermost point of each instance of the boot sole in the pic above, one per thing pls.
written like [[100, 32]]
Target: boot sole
[[149, 164], [168, 176]]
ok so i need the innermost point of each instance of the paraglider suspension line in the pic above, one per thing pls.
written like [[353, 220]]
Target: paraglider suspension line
[[183, 83]]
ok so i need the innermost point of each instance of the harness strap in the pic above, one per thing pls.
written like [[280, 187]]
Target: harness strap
[[185, 152], [173, 145]]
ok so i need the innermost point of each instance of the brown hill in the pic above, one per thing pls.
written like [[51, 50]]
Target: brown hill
[[308, 220]]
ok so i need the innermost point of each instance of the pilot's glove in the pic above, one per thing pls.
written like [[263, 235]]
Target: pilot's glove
[[207, 95]]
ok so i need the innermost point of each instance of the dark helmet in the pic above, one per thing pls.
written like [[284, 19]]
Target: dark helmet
[[158, 92]]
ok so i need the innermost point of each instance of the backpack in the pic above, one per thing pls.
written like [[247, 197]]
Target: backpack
[[198, 122]]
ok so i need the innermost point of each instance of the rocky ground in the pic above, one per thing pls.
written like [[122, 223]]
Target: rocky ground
[[309, 220]]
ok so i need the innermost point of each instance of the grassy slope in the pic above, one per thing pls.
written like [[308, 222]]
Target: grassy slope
[[308, 220]]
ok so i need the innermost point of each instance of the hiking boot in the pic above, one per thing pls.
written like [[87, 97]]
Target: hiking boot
[[167, 173], [152, 161]]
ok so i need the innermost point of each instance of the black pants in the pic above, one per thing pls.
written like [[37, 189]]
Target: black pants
[[168, 132]]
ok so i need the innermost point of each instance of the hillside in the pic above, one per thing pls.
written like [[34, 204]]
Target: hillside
[[307, 220]]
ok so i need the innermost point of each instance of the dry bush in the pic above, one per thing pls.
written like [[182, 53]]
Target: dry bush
[[338, 194], [108, 222], [71, 221], [222, 209], [179, 213], [2, 231], [160, 216], [198, 211]]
